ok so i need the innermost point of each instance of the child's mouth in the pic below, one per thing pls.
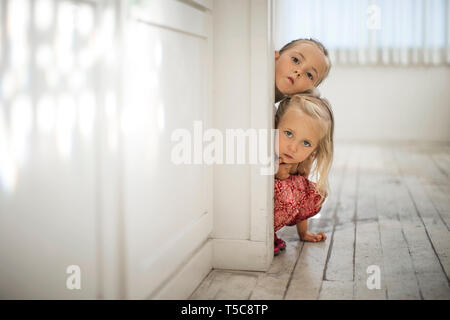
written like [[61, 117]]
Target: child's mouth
[[291, 80], [288, 156]]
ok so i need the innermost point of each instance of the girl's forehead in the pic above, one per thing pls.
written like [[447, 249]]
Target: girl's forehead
[[295, 117], [309, 47], [297, 120], [312, 54]]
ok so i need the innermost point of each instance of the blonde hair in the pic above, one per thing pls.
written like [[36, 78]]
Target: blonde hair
[[320, 109], [319, 45]]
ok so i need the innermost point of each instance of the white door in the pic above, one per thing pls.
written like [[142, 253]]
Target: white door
[[48, 150], [91, 92], [167, 208]]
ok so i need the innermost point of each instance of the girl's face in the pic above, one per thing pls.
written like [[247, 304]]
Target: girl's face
[[299, 68], [299, 135]]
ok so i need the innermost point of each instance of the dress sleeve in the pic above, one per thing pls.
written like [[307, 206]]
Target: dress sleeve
[[285, 208], [307, 198]]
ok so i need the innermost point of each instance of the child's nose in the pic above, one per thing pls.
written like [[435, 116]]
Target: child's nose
[[298, 73], [292, 147]]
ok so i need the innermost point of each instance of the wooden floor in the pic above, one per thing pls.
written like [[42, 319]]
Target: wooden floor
[[388, 207]]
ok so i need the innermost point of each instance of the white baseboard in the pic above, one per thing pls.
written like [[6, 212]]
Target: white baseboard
[[189, 277], [241, 255]]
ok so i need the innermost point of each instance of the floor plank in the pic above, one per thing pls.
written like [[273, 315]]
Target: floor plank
[[433, 282], [307, 277], [399, 273], [439, 195], [368, 251], [434, 224], [336, 290], [389, 206], [272, 285], [340, 263], [226, 284], [442, 162]]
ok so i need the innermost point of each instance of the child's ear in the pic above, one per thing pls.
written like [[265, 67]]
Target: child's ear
[[277, 55]]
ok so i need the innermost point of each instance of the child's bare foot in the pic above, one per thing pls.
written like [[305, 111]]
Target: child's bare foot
[[313, 237]]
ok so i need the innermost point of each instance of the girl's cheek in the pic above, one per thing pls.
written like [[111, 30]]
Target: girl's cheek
[[281, 144]]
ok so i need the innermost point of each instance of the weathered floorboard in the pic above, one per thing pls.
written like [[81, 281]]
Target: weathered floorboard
[[435, 226], [368, 251], [399, 273], [433, 282], [389, 206], [307, 277]]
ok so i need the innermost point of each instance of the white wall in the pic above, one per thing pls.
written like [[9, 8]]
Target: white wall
[[110, 199], [167, 207], [95, 185], [389, 103], [243, 95], [48, 153]]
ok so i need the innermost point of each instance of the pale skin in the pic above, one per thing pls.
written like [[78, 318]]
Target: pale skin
[[298, 69], [299, 137]]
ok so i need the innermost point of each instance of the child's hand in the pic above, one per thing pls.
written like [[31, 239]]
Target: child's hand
[[304, 167], [313, 237], [283, 170], [294, 169]]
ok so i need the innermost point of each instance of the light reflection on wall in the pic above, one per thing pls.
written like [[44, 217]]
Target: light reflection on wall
[[65, 123], [21, 123], [86, 113], [18, 18], [85, 19], [43, 14], [9, 84], [161, 116], [44, 56], [111, 119], [46, 112], [64, 38], [56, 83], [143, 117], [105, 44], [8, 170]]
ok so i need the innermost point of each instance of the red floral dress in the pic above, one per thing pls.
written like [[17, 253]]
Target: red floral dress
[[295, 199]]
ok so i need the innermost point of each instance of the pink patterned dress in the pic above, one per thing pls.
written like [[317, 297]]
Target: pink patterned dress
[[295, 199]]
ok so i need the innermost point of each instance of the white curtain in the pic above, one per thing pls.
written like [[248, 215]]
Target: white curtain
[[364, 32]]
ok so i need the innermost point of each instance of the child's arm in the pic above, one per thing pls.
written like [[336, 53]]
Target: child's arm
[[294, 169], [304, 167], [283, 171], [305, 235]]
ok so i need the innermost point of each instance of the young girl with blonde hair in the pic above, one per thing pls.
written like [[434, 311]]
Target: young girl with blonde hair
[[300, 66], [305, 126]]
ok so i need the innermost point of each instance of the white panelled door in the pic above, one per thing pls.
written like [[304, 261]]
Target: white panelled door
[[167, 211]]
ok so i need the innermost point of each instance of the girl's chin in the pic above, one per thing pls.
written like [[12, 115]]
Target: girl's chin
[[283, 92], [283, 88], [289, 161]]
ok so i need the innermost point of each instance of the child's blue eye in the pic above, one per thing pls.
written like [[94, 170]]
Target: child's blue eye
[[306, 143], [288, 134], [295, 59], [310, 75]]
